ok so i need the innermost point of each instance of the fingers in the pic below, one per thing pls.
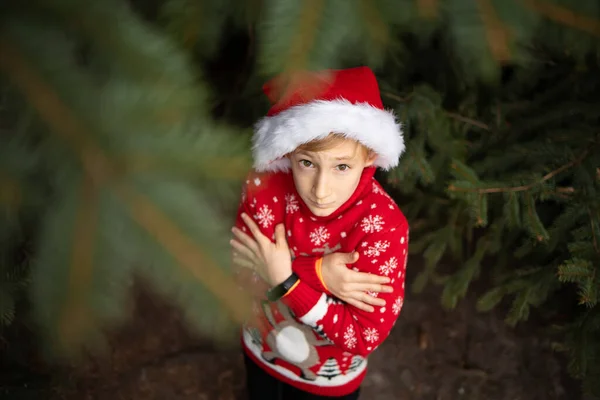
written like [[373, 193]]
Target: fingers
[[351, 258], [280, 239], [365, 298], [243, 262], [246, 240], [372, 287], [251, 254], [244, 250], [253, 228], [360, 305], [368, 299], [366, 278]]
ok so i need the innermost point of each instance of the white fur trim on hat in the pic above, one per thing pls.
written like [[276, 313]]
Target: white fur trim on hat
[[280, 134]]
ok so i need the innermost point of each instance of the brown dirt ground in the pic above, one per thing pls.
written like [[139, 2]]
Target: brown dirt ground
[[432, 354]]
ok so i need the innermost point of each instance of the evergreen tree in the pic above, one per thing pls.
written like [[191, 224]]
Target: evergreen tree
[[132, 169], [112, 165]]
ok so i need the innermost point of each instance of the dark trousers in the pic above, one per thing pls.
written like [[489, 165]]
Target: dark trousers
[[262, 386]]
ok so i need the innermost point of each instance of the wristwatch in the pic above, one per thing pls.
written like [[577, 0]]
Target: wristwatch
[[277, 292]]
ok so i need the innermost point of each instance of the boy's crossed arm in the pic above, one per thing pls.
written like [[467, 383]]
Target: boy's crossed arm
[[351, 329], [332, 276]]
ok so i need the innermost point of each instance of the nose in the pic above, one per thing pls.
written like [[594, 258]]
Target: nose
[[321, 188]]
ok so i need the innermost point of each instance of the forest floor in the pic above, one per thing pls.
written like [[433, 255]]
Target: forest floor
[[432, 353]]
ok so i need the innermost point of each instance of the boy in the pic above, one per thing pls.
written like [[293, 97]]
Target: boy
[[313, 209]]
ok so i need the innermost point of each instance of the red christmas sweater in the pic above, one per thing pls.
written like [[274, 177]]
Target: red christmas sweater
[[310, 339]]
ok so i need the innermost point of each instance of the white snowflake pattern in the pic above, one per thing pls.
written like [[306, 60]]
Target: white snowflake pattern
[[371, 335], [389, 266], [372, 223], [257, 181], [291, 204], [377, 189], [319, 236], [397, 305], [350, 337], [378, 247], [265, 216]]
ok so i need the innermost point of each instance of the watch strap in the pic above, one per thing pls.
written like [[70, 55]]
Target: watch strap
[[277, 292]]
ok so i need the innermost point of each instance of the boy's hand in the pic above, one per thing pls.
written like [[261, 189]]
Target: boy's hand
[[352, 286], [272, 261]]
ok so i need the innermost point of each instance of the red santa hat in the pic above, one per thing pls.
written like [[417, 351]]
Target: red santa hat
[[311, 106]]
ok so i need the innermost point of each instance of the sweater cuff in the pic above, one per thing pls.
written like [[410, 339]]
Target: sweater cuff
[[301, 298], [308, 270]]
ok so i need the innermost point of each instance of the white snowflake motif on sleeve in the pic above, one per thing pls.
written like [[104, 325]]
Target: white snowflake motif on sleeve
[[397, 306], [372, 224], [319, 236], [371, 335], [350, 337], [389, 266], [265, 216], [291, 204], [377, 189], [378, 247]]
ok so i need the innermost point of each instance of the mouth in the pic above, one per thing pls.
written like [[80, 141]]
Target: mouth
[[322, 206]]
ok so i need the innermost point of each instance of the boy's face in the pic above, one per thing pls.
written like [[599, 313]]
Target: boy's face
[[327, 179]]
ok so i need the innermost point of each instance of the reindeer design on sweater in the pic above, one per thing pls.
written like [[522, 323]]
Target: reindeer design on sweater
[[292, 341]]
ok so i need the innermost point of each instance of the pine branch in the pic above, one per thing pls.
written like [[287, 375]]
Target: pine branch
[[496, 33], [594, 228], [523, 188], [49, 106], [310, 15], [101, 171], [184, 20], [378, 28], [450, 114], [76, 318], [564, 16], [467, 120], [186, 252]]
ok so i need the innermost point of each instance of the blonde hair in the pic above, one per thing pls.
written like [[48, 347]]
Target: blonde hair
[[330, 141]]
